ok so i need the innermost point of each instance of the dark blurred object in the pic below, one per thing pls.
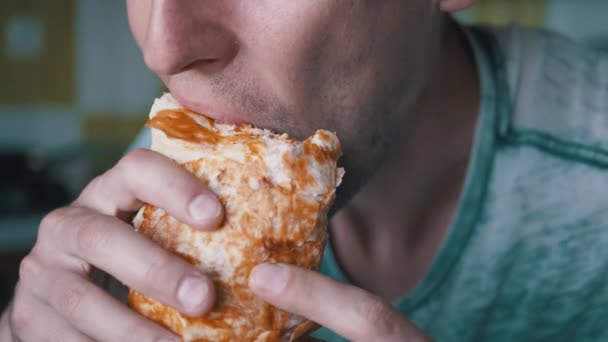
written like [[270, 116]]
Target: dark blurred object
[[9, 274], [6, 291], [27, 185]]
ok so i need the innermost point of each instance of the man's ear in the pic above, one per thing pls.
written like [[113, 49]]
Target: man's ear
[[455, 5]]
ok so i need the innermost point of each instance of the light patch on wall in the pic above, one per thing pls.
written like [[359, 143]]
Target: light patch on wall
[[23, 37], [37, 52], [501, 12]]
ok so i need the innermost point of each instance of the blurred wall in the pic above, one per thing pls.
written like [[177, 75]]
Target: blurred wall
[[109, 76], [76, 91], [583, 20]]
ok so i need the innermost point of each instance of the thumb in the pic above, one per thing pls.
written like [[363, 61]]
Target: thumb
[[349, 311]]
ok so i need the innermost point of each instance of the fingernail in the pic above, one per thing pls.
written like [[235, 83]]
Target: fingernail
[[269, 278], [204, 207], [192, 292]]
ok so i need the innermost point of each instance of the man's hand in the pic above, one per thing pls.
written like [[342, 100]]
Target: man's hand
[[55, 299], [347, 310]]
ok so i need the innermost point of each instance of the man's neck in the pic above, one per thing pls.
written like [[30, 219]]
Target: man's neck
[[404, 211]]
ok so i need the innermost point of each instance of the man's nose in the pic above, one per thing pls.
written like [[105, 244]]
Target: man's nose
[[185, 33]]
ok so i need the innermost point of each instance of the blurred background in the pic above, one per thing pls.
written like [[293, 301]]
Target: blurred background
[[75, 92]]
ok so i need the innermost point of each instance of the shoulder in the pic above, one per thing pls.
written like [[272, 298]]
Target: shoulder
[[550, 170], [558, 87]]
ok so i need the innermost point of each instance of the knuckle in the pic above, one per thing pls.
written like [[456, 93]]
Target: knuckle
[[131, 162], [20, 317], [99, 194], [294, 285], [68, 300], [154, 277], [20, 323], [96, 184], [51, 223], [28, 268], [91, 237]]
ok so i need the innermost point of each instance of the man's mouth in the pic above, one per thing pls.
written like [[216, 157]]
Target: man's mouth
[[219, 113]]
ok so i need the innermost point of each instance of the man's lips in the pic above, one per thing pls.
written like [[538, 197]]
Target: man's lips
[[222, 116]]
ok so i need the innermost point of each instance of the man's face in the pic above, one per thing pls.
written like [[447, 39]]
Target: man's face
[[356, 67]]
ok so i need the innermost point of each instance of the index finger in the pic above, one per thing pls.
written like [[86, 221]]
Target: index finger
[[147, 176], [109, 244]]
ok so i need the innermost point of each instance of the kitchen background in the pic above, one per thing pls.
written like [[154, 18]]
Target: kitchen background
[[74, 93]]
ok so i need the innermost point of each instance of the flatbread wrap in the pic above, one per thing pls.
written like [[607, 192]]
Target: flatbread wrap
[[276, 192]]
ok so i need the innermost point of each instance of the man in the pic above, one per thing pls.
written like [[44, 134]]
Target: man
[[475, 188]]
